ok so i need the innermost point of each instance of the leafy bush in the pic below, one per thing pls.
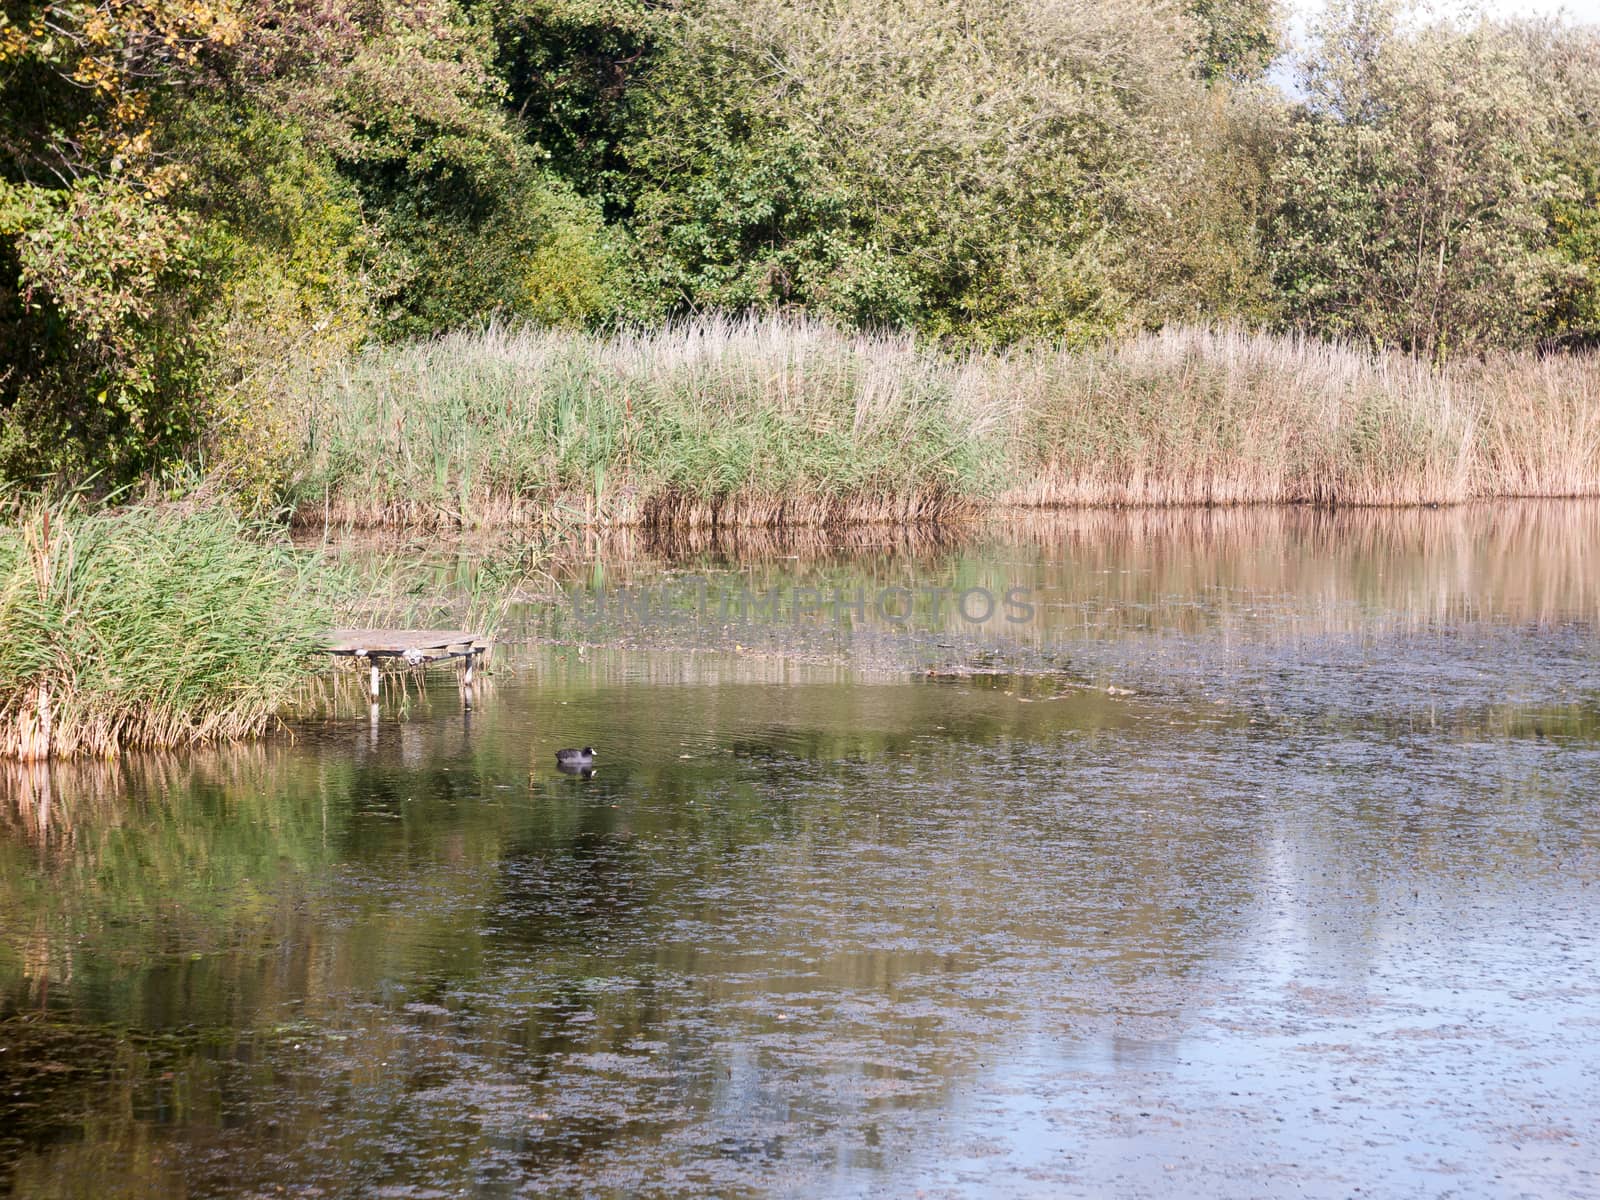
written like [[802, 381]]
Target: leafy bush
[[105, 362], [998, 171], [1414, 192], [568, 67], [1233, 39], [230, 184]]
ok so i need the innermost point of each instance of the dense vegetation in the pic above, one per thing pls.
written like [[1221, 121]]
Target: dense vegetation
[[193, 195], [775, 421], [145, 627]]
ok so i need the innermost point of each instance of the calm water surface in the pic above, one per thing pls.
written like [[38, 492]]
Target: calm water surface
[[1262, 860]]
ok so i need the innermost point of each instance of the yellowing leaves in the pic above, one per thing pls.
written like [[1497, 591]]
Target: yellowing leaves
[[116, 49]]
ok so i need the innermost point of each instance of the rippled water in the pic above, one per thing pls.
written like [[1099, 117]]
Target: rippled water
[[1303, 904]]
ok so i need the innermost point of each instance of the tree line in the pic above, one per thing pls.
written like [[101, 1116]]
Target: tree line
[[195, 192]]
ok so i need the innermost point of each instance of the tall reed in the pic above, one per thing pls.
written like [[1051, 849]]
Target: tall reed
[[775, 421], [705, 422], [145, 627]]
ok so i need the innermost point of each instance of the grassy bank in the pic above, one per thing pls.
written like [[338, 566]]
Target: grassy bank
[[145, 627], [773, 422]]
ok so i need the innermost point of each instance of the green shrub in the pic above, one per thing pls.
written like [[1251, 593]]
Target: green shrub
[[568, 67], [990, 172], [146, 627], [1234, 39], [1413, 195], [105, 359]]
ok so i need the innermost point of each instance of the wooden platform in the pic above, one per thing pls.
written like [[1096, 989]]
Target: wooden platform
[[413, 645]]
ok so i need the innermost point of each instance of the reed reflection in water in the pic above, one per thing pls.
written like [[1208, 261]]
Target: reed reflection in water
[[826, 925]]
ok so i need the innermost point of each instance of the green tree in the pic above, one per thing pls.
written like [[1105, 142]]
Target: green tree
[[189, 190], [1574, 219], [568, 67], [991, 171], [1234, 39], [104, 364], [408, 107], [1569, 62], [1413, 190]]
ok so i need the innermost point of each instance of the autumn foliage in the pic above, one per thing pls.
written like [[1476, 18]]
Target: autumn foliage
[[194, 194]]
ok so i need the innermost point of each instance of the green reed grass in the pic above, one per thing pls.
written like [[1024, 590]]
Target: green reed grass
[[696, 420], [146, 627], [788, 422]]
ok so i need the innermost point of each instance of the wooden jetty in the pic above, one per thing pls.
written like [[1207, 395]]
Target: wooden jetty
[[414, 647]]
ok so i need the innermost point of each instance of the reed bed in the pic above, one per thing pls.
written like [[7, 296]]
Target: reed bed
[[776, 422], [1190, 416], [706, 423], [146, 627]]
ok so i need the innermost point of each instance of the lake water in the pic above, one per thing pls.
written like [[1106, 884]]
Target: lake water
[[1261, 858]]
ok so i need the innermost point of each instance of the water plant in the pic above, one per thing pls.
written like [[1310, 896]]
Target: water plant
[[785, 421], [146, 627], [700, 422]]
